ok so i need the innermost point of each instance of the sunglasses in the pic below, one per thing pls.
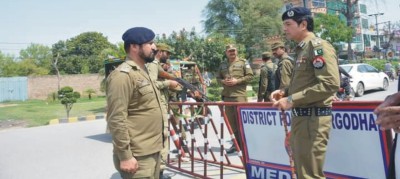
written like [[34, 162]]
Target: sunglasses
[[232, 50]]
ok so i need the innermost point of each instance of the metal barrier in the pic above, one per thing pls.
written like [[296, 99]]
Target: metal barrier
[[199, 120], [354, 120]]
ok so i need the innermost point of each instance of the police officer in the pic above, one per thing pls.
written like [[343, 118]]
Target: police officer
[[134, 112], [234, 75], [310, 93], [163, 53], [285, 65], [266, 85]]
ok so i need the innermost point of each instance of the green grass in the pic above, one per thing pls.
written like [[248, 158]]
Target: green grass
[[40, 112]]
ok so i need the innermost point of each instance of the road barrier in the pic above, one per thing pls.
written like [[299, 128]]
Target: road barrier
[[355, 141]]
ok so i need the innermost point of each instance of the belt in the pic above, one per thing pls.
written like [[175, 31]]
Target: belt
[[318, 111]]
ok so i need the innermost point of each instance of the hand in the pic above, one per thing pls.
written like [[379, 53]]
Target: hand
[[276, 95], [231, 81], [129, 166], [282, 104], [389, 118], [173, 84], [388, 113]]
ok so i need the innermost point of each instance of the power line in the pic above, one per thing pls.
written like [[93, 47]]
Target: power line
[[17, 43]]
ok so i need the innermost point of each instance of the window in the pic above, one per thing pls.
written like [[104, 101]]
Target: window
[[364, 23], [363, 8], [361, 69], [371, 69], [367, 40], [357, 38], [318, 3]]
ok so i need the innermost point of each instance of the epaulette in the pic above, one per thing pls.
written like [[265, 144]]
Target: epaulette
[[246, 63], [317, 46], [125, 68]]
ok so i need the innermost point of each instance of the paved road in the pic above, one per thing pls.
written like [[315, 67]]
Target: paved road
[[83, 151], [79, 150], [378, 95]]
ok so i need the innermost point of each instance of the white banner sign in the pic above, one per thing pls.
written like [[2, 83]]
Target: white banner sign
[[356, 149]]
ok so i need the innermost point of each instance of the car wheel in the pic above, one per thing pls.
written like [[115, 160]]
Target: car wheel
[[360, 89], [385, 84]]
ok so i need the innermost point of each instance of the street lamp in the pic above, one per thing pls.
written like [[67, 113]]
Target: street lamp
[[377, 29]]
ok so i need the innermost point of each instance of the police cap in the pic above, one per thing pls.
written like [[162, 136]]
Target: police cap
[[164, 47], [295, 13], [138, 35], [266, 55], [230, 47], [276, 45]]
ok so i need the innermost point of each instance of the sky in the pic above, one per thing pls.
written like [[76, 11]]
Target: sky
[[46, 22]]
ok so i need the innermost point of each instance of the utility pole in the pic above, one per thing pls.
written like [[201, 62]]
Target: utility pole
[[377, 29], [387, 43], [305, 3]]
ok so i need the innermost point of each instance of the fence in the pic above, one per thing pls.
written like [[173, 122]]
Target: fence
[[40, 87], [13, 89]]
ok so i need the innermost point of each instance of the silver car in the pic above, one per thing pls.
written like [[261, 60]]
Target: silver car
[[366, 77]]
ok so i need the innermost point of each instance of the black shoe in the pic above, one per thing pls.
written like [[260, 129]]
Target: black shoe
[[175, 151], [231, 150], [162, 176], [165, 177]]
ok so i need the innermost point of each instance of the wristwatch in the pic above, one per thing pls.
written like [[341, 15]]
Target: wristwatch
[[289, 99]]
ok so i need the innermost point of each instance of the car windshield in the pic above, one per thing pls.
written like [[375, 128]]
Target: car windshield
[[347, 68]]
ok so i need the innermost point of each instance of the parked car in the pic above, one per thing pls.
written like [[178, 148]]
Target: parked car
[[366, 77]]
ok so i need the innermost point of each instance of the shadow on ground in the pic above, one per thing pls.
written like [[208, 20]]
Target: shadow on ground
[[101, 137]]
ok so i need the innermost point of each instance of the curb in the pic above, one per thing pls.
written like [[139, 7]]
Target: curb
[[77, 119]]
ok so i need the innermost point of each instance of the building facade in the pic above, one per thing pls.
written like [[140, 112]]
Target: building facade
[[369, 34]]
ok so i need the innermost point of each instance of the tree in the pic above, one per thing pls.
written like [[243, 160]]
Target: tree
[[90, 91], [28, 67], [8, 67], [249, 22], [41, 55], [54, 64], [208, 52], [80, 54], [68, 97], [331, 28], [348, 9], [389, 31]]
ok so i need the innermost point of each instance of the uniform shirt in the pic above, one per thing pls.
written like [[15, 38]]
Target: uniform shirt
[[316, 74], [284, 71], [264, 78], [238, 69], [154, 68], [134, 113]]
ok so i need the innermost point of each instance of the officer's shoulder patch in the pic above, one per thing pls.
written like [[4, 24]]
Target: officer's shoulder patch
[[319, 62], [316, 42], [317, 46], [246, 63], [125, 68]]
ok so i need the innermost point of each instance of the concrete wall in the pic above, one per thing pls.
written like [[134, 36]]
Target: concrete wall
[[39, 87]]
